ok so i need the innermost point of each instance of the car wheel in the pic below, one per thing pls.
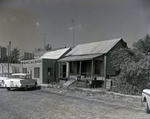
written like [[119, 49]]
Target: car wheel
[[35, 84], [147, 108], [26, 87], [8, 89]]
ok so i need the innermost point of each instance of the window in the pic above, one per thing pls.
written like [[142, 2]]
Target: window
[[36, 72], [97, 67], [50, 71], [24, 70]]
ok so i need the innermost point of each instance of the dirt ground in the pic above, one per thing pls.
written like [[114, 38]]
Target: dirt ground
[[117, 101], [61, 103]]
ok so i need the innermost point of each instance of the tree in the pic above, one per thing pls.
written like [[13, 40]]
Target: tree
[[15, 55], [38, 49], [47, 48], [143, 45], [134, 65]]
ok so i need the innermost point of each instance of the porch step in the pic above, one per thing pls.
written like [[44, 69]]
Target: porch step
[[69, 82]]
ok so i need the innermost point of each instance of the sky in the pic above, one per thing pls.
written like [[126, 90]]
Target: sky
[[30, 24]]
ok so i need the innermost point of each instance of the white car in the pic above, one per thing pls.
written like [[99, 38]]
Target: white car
[[19, 80], [1, 80], [146, 99]]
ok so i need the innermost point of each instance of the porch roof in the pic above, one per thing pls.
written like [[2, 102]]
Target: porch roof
[[79, 57]]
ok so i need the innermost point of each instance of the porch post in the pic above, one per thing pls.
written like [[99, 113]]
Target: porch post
[[59, 75], [105, 71], [80, 68], [67, 71], [91, 69]]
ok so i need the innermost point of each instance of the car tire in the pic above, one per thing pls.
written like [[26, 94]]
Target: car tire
[[8, 89], [147, 108], [35, 84], [26, 87]]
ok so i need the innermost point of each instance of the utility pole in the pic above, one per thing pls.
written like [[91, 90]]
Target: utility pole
[[73, 30], [10, 52], [8, 60], [44, 41], [9, 46]]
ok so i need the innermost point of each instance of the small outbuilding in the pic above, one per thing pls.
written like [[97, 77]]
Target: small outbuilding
[[45, 68]]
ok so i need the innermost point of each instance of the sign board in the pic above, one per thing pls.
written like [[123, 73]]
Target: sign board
[[32, 61]]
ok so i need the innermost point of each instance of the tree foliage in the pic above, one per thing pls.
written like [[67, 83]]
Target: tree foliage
[[47, 48], [134, 65], [15, 55]]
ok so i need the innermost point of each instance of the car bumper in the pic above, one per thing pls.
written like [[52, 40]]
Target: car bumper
[[13, 86]]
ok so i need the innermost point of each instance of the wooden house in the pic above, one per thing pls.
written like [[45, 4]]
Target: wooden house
[[90, 60]]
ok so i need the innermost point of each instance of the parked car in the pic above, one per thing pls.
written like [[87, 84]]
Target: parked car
[[1, 80], [20, 80], [146, 99]]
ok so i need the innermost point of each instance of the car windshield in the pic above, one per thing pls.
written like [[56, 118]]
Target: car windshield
[[19, 76]]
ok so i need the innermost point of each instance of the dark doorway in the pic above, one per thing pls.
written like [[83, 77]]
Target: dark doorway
[[64, 71]]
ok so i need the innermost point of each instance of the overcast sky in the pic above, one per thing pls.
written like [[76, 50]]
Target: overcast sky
[[24, 22]]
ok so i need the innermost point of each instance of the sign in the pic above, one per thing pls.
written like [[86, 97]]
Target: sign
[[32, 62]]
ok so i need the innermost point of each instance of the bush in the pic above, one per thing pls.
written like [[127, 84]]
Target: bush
[[125, 87]]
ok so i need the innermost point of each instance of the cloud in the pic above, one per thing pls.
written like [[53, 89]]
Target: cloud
[[12, 18], [78, 27], [37, 24], [4, 20]]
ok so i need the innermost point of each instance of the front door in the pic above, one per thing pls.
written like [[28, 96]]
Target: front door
[[64, 71]]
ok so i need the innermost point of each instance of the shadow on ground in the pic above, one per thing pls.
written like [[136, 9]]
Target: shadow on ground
[[29, 89]]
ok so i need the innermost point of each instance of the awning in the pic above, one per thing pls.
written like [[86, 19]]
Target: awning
[[79, 58]]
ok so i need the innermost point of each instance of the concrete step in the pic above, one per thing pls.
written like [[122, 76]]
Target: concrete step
[[69, 82]]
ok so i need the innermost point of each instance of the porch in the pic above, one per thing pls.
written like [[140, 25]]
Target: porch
[[83, 67]]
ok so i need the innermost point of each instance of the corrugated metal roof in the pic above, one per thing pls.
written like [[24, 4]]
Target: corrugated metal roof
[[79, 58], [94, 47], [54, 54]]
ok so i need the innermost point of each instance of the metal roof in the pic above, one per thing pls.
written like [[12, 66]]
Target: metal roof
[[56, 54], [79, 58], [94, 47]]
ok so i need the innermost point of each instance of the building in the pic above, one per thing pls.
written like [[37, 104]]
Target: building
[[45, 68], [3, 53], [13, 68], [90, 60], [28, 56]]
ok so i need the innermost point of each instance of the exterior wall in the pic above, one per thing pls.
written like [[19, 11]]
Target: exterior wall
[[101, 59], [30, 65], [49, 76], [62, 73], [13, 68], [110, 70]]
